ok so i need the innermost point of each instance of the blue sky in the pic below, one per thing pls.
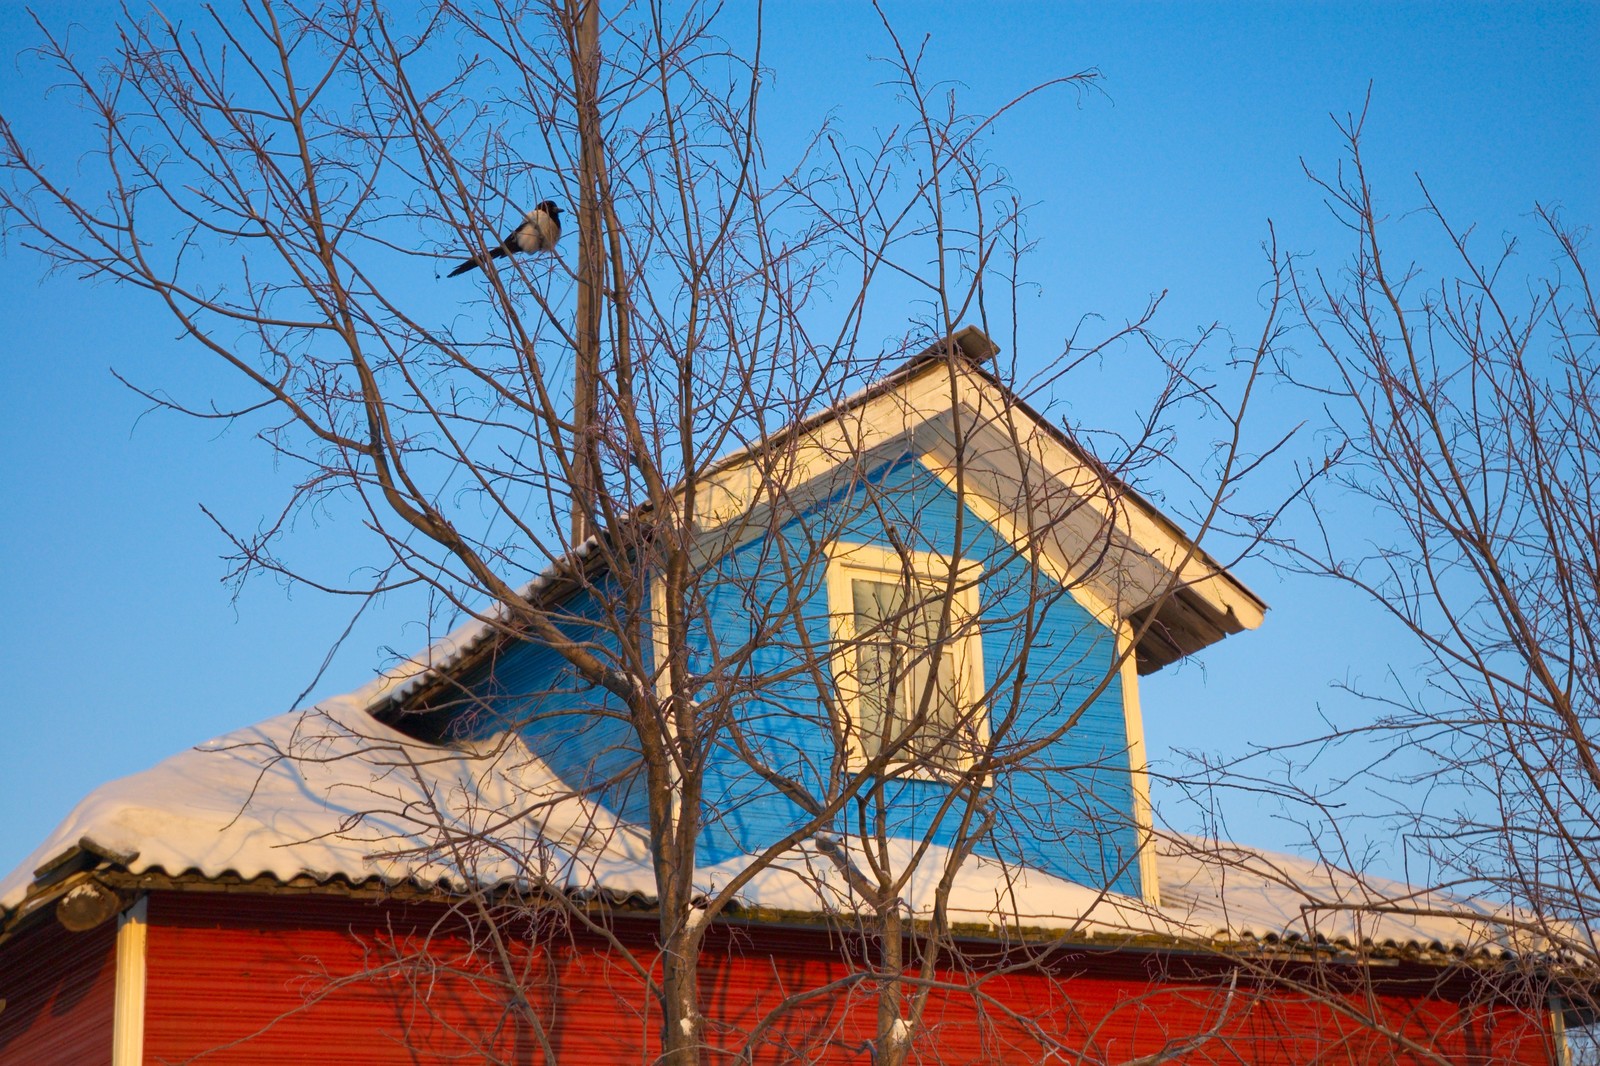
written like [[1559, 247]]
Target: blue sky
[[122, 644]]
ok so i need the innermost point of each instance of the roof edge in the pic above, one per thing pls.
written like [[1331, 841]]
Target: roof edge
[[424, 673]]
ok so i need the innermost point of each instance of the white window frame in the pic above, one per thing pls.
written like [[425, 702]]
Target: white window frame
[[848, 561]]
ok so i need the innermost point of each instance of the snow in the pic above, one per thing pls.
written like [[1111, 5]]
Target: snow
[[85, 892], [1217, 888], [330, 792]]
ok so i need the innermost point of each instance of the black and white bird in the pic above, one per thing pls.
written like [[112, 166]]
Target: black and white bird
[[538, 233]]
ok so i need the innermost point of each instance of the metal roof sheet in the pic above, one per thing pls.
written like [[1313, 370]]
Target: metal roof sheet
[[331, 794]]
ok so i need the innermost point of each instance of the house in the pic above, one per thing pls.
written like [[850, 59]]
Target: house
[[910, 654]]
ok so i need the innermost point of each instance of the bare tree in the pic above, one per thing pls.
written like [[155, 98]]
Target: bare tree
[[1462, 413], [542, 447]]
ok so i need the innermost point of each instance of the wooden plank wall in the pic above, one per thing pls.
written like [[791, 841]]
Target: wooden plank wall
[[269, 979], [57, 995]]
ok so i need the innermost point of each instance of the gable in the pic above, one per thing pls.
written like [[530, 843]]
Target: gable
[[763, 645], [1055, 503], [1050, 684], [1027, 478], [937, 459]]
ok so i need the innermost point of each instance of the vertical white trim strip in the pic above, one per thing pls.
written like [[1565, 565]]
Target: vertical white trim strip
[[1139, 764], [1561, 1048], [127, 1032]]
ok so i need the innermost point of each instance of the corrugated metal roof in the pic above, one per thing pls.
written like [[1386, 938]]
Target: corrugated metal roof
[[331, 794]]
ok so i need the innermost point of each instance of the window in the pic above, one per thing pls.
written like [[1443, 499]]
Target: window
[[900, 685]]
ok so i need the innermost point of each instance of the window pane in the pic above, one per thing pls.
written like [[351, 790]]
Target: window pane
[[876, 605], [901, 671], [937, 740], [876, 602]]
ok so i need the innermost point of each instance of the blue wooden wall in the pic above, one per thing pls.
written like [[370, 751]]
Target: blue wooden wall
[[762, 625], [1069, 812], [580, 730]]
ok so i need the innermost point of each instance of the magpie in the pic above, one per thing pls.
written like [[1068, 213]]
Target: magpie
[[538, 233]]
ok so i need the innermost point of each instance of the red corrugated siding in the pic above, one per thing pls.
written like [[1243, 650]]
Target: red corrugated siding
[[275, 979], [1114, 1006], [271, 979], [59, 990]]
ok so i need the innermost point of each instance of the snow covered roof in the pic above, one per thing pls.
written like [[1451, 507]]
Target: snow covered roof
[[330, 793]]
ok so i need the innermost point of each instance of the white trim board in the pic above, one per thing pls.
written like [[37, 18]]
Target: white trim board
[[127, 1026]]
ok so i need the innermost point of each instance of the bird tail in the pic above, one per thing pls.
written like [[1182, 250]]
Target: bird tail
[[476, 263]]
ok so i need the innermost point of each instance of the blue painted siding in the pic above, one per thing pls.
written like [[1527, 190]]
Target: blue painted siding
[[763, 614], [579, 729], [1070, 812]]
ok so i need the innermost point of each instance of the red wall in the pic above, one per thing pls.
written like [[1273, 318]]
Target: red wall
[[58, 990], [257, 979]]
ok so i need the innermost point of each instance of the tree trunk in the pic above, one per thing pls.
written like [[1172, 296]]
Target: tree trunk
[[683, 1026], [583, 17], [894, 1034]]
